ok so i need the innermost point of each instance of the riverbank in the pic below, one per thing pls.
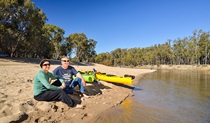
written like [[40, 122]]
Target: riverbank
[[16, 96], [176, 67]]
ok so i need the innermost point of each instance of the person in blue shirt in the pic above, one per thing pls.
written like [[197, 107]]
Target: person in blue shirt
[[66, 72], [44, 91]]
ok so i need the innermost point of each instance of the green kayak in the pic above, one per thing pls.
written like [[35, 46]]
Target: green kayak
[[88, 76]]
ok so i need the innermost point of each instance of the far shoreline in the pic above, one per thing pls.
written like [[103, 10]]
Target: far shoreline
[[153, 67], [176, 67]]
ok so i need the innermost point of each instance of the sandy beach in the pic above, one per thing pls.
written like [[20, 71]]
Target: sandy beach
[[16, 95]]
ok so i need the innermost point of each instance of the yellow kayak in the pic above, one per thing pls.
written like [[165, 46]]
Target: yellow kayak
[[114, 78]]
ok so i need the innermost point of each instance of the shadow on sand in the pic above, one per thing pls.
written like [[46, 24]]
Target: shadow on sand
[[95, 88], [91, 89]]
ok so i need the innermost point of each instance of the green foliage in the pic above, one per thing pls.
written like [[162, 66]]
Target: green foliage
[[54, 35], [104, 58], [189, 50], [24, 33], [83, 47], [20, 27]]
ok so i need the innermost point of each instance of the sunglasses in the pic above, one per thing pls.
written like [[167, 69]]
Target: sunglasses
[[65, 60], [46, 64]]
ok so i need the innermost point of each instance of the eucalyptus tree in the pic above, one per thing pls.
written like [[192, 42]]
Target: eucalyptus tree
[[83, 48], [21, 24], [104, 58], [204, 47], [153, 54], [190, 50], [55, 38], [90, 52], [139, 56], [156, 55], [179, 48], [168, 52], [69, 46], [159, 54], [108, 60], [171, 54], [100, 58], [130, 57], [164, 53], [194, 47], [146, 57], [116, 56], [123, 56]]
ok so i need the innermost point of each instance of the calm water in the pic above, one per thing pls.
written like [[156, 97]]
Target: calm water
[[165, 97]]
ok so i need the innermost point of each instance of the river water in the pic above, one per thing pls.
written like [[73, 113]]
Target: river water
[[165, 96]]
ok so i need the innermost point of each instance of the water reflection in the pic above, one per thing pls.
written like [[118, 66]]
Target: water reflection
[[166, 97]]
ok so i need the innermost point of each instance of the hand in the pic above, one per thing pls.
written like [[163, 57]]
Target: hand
[[63, 85]]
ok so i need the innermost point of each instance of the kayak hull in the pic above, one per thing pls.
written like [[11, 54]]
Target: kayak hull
[[87, 77], [114, 79], [90, 76]]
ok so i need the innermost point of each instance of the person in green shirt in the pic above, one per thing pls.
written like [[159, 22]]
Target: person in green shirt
[[44, 91]]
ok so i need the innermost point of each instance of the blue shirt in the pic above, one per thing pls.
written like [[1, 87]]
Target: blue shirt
[[66, 74]]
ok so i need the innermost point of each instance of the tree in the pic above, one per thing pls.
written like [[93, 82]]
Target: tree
[[204, 47], [116, 56], [91, 53], [54, 35], [21, 23], [83, 48]]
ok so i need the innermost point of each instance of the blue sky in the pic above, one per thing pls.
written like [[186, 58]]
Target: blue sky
[[128, 23]]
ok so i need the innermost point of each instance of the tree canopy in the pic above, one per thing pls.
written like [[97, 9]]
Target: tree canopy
[[192, 50], [24, 33]]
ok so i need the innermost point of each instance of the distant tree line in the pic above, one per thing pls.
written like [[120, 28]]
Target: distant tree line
[[24, 33], [192, 50]]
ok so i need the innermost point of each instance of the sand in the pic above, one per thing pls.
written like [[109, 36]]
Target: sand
[[16, 95]]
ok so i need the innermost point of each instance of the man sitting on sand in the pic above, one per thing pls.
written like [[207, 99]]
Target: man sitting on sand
[[44, 91], [66, 72]]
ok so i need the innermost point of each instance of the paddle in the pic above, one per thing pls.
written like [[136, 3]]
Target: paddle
[[132, 76]]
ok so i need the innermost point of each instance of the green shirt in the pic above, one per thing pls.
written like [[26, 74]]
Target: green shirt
[[41, 82]]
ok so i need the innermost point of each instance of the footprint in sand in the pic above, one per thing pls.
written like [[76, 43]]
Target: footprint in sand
[[16, 112]]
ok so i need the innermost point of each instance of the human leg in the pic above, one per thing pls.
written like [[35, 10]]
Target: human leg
[[57, 95], [56, 83], [68, 90], [77, 81]]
